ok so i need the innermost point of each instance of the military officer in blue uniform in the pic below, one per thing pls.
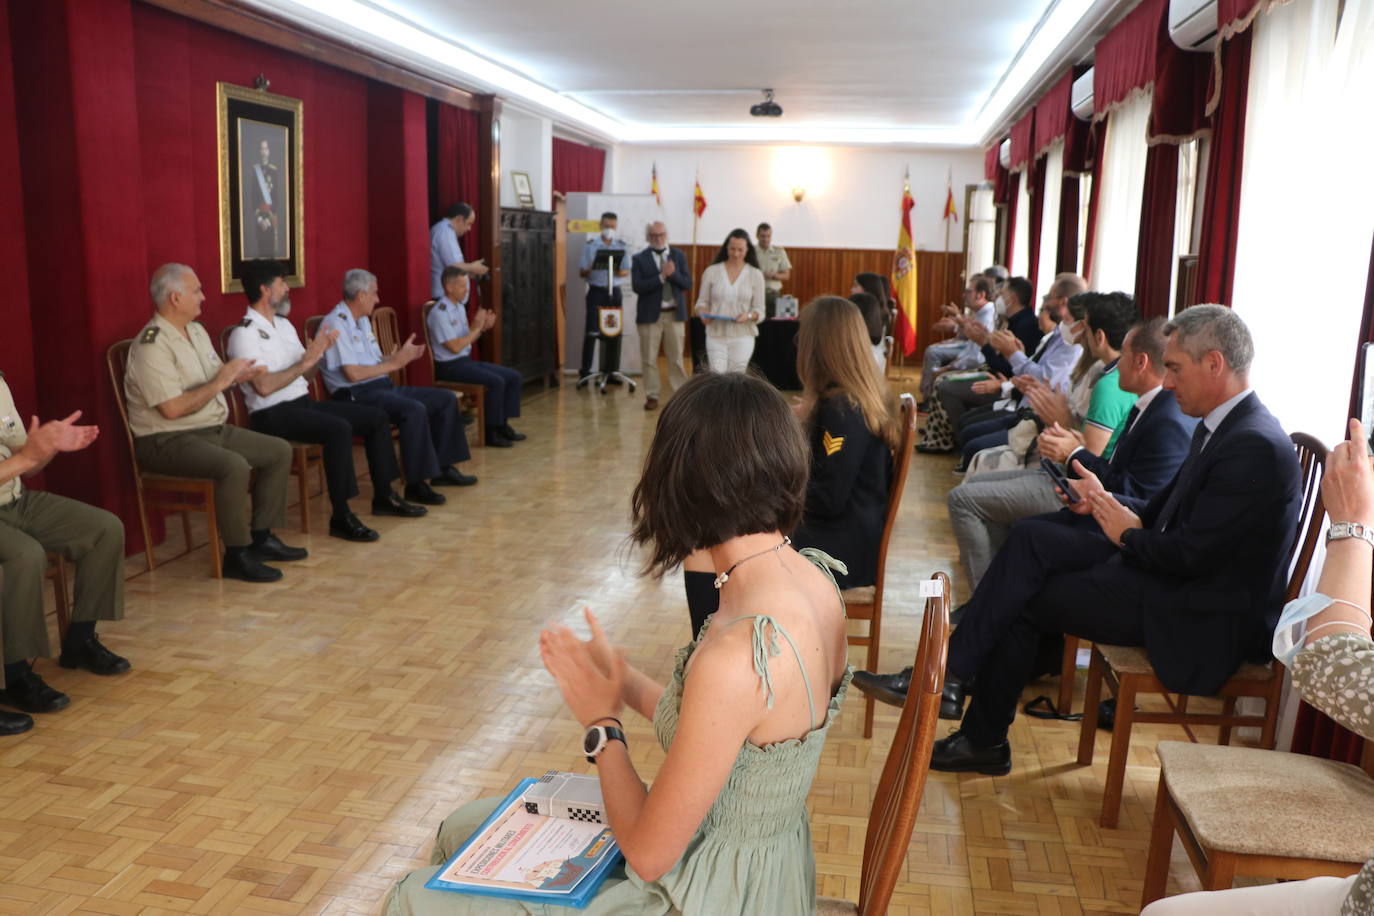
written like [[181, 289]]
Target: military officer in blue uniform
[[431, 429], [602, 293]]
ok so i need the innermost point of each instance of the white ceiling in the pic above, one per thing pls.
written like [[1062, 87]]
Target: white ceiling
[[925, 70]]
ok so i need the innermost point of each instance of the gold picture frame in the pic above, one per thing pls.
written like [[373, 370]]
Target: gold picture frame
[[524, 190], [261, 186]]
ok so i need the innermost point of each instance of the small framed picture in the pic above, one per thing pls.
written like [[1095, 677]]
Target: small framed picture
[[524, 190]]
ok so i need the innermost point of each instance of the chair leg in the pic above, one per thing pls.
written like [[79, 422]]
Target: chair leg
[[1269, 731], [216, 549], [1221, 872], [147, 535], [1228, 708], [874, 632], [1121, 748], [186, 529], [482, 421], [1068, 673], [59, 591], [1087, 726], [1161, 845], [303, 487]]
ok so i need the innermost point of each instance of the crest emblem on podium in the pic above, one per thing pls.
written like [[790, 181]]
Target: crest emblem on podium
[[609, 321]]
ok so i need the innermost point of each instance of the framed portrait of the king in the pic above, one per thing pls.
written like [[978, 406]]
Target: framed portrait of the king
[[261, 194]]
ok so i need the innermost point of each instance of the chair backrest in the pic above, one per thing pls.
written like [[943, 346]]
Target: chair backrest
[[429, 344], [1312, 461], [901, 461], [117, 361], [893, 814], [312, 327], [388, 331], [237, 409]]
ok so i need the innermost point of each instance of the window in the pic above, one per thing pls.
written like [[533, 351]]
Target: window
[[980, 229]]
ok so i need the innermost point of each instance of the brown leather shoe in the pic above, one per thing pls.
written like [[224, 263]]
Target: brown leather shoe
[[651, 403]]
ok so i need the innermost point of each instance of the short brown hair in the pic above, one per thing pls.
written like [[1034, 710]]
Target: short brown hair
[[728, 459]]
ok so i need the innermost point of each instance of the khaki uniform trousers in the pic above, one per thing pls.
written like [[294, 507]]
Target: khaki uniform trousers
[[91, 538], [227, 455], [668, 332]]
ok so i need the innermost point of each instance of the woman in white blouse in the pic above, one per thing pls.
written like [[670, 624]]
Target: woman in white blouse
[[730, 304]]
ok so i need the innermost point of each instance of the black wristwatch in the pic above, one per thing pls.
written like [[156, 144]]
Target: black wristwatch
[[597, 737]]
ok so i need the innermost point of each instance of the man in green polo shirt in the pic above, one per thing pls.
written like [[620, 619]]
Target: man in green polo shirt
[[775, 266]]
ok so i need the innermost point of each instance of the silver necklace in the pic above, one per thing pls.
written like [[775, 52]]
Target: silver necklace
[[725, 576]]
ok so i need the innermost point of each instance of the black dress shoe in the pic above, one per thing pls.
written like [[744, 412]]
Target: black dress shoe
[[453, 478], [92, 656], [270, 547], [956, 616], [511, 434], [957, 754], [497, 439], [350, 528], [467, 419], [1106, 714], [29, 693], [887, 688], [240, 563], [14, 723], [952, 698], [421, 492], [392, 504]]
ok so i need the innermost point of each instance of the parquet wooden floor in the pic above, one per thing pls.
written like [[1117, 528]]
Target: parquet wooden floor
[[290, 748]]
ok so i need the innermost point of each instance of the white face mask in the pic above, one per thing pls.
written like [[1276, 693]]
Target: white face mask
[[607, 234], [1291, 633], [1000, 305], [1066, 331]]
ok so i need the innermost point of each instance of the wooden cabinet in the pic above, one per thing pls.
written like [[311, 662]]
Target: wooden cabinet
[[527, 301]]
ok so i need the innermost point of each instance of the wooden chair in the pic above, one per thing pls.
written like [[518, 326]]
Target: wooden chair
[[159, 491], [387, 329], [57, 574], [893, 813], [309, 330], [1259, 813], [1128, 672], [304, 455], [470, 390], [866, 603]]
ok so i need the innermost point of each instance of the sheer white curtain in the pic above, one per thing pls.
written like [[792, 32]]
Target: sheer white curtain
[[1020, 245], [982, 231], [1049, 222], [1183, 212], [1122, 189], [1307, 207]]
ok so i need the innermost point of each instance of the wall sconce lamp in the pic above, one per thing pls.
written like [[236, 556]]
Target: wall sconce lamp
[[798, 192]]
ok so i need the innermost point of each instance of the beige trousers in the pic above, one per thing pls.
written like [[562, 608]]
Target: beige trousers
[[667, 331], [1313, 897]]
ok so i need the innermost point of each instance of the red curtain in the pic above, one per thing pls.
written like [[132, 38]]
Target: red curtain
[[1003, 190], [991, 162], [1221, 202], [1022, 140], [1155, 256], [1067, 259], [577, 167], [457, 177], [1098, 145], [1053, 117], [1036, 175], [1125, 58], [1179, 102], [1013, 196]]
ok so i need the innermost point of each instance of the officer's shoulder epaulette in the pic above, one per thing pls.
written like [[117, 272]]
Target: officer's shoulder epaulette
[[443, 306], [149, 334], [246, 323]]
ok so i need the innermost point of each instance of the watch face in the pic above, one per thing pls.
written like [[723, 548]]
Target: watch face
[[591, 740]]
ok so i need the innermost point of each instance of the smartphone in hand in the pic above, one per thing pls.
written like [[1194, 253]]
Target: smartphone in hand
[[1059, 479]]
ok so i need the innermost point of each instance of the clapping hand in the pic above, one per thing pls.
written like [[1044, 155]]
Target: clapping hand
[[1057, 443], [590, 674], [989, 385], [975, 331], [669, 268], [1051, 406], [409, 351], [1006, 343], [47, 439], [322, 342], [1348, 483], [1111, 516]]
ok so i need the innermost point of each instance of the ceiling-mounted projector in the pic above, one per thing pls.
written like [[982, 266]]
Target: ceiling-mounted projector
[[767, 108]]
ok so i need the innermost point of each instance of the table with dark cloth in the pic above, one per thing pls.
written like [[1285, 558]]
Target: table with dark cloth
[[775, 351]]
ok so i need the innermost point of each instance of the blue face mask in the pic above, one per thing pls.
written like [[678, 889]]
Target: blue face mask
[[1291, 633]]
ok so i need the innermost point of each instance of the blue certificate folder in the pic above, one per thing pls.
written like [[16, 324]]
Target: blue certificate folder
[[576, 898]]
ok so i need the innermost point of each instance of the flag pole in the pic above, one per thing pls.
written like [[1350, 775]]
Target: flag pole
[[944, 279], [898, 350], [696, 218]]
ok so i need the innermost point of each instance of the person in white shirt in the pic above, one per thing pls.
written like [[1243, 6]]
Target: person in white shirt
[[279, 403], [730, 304], [444, 249]]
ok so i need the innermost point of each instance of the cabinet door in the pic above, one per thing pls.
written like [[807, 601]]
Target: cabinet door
[[527, 331]]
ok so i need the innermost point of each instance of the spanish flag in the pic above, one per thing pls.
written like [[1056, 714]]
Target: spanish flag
[[653, 186], [950, 212], [904, 276], [698, 200]]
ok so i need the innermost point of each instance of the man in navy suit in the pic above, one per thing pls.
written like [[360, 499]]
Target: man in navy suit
[[660, 278], [1195, 574]]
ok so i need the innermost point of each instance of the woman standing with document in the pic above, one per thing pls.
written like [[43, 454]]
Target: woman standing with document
[[724, 830], [731, 303]]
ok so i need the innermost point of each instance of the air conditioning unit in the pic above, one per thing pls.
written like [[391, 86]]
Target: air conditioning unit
[[1193, 24], [1081, 96], [1004, 153]]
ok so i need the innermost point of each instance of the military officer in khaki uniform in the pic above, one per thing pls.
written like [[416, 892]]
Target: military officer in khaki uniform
[[33, 522], [175, 391]]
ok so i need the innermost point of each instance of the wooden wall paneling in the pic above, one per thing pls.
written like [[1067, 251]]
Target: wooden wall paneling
[[830, 271], [236, 17]]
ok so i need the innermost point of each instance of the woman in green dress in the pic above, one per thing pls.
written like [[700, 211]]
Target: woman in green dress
[[724, 829]]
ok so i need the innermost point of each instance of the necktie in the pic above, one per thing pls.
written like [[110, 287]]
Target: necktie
[[1125, 431], [1184, 478]]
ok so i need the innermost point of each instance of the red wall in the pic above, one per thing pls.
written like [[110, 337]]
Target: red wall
[[114, 108]]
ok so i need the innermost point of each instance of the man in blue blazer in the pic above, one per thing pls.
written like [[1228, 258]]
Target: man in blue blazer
[[1195, 574], [660, 278]]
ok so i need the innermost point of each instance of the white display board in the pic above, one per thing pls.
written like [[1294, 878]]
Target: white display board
[[635, 212]]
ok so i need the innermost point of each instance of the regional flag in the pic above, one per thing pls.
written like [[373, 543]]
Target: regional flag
[[653, 186], [904, 277], [698, 200], [950, 212]]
